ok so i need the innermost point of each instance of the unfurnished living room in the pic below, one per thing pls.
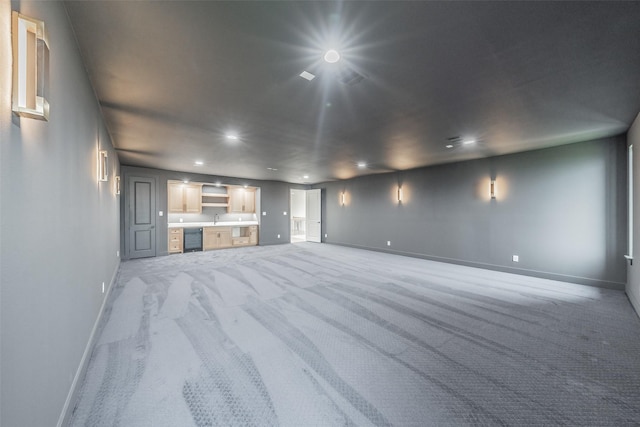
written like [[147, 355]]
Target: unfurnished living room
[[319, 213]]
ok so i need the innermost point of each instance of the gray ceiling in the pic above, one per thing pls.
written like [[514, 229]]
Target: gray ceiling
[[174, 77]]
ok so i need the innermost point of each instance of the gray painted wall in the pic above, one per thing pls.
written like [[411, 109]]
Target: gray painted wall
[[562, 210], [633, 272], [274, 200], [58, 225]]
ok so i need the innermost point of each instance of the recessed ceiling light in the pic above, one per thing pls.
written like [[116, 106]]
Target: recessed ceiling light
[[469, 141], [272, 169], [449, 146], [306, 177], [218, 184], [362, 165], [186, 181], [232, 136], [332, 56], [307, 75], [198, 163]]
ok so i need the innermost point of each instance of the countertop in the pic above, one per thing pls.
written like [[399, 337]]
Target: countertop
[[212, 224]]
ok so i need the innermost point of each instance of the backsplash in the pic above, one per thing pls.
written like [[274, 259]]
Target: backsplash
[[208, 214]]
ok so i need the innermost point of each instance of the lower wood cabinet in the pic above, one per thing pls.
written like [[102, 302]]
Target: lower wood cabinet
[[175, 240], [245, 236], [225, 237], [216, 237], [253, 235]]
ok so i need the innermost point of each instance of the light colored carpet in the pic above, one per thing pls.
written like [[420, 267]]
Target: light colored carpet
[[322, 335]]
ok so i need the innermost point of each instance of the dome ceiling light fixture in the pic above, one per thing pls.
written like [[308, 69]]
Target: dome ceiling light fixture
[[332, 56]]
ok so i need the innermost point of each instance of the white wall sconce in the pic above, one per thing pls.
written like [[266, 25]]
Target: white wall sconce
[[342, 198], [493, 189], [117, 184], [399, 194], [30, 68], [103, 165]]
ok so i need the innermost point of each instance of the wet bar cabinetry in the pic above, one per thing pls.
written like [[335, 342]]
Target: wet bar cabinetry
[[245, 236], [242, 200], [216, 238], [175, 240], [184, 198]]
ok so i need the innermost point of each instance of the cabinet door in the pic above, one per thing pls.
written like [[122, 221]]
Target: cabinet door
[[253, 235], [209, 238], [193, 198], [249, 201], [176, 198], [224, 240], [236, 200]]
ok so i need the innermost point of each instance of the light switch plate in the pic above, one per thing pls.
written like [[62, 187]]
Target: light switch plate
[[325, 235], [160, 213], [264, 214], [388, 242], [278, 236], [284, 213], [515, 258]]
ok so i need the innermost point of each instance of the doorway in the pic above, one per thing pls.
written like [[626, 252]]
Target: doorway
[[298, 216], [305, 215]]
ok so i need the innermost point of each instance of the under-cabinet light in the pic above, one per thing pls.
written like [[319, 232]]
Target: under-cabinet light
[[103, 166], [117, 184], [30, 68], [493, 189]]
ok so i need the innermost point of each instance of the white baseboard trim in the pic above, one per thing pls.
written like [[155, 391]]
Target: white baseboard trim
[[65, 415], [635, 302], [619, 286]]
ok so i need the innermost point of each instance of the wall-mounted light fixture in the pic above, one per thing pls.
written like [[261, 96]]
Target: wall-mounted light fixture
[[30, 68], [117, 184], [493, 189], [342, 198], [399, 194], [103, 166]]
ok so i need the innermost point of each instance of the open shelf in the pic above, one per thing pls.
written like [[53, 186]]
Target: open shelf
[[215, 205], [224, 196]]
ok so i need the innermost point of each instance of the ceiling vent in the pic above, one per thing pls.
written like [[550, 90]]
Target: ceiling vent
[[350, 77]]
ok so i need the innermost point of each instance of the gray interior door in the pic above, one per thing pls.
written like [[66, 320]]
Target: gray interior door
[[142, 219]]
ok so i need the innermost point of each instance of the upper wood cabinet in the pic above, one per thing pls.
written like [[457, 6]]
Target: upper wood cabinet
[[242, 200], [184, 198]]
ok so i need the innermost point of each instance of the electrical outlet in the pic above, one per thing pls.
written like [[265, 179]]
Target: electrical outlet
[[278, 236], [515, 258], [388, 242], [284, 213], [180, 219], [117, 253], [160, 213], [325, 235], [264, 214], [103, 287]]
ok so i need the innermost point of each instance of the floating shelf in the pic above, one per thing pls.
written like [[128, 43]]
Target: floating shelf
[[215, 205], [225, 196]]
